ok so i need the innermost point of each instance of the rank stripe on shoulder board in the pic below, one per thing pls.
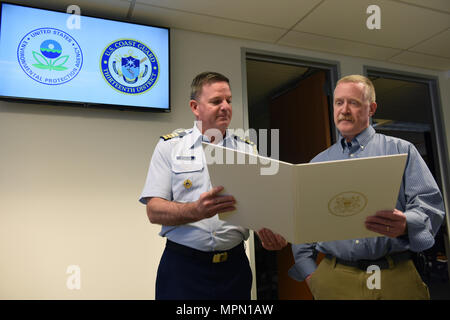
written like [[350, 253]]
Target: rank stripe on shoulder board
[[173, 135], [244, 140]]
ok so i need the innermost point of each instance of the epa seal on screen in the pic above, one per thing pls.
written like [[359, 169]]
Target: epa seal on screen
[[129, 66], [50, 56]]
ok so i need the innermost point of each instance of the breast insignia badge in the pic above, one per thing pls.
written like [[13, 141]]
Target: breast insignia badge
[[187, 184], [347, 204]]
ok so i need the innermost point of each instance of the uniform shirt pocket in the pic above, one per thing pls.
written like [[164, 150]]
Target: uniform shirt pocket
[[188, 181]]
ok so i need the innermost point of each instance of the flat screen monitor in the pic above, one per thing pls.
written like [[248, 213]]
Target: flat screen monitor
[[51, 56]]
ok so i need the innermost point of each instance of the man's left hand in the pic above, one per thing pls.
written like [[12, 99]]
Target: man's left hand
[[391, 223], [270, 240]]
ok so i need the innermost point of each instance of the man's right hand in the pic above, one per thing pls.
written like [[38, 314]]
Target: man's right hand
[[171, 213], [210, 203]]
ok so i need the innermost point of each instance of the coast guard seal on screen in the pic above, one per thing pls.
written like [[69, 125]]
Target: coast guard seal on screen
[[129, 66], [49, 56]]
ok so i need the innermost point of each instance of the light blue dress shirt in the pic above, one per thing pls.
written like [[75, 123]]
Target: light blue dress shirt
[[419, 199], [178, 172]]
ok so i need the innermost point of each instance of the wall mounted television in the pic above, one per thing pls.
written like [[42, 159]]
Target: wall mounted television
[[102, 64]]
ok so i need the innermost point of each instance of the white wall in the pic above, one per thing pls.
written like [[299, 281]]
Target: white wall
[[70, 179]]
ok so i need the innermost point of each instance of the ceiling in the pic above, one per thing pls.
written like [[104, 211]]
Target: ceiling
[[413, 32]]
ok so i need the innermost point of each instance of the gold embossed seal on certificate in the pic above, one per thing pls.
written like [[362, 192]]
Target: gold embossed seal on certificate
[[347, 203]]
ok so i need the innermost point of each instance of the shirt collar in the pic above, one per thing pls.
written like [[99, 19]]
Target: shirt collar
[[361, 140], [197, 137]]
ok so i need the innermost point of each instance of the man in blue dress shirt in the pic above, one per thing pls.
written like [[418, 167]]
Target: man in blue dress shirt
[[380, 267], [204, 257]]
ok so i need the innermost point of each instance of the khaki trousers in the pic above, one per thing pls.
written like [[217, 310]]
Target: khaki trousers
[[334, 281]]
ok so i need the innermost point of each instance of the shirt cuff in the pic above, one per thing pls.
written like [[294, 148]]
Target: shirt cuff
[[153, 195], [300, 270], [420, 233]]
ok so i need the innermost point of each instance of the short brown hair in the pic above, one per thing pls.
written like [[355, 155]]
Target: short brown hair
[[356, 78], [205, 78]]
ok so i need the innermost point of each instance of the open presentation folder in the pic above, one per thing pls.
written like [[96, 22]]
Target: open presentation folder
[[310, 202]]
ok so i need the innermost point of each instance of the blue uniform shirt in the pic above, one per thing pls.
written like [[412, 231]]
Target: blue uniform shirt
[[178, 172], [419, 199]]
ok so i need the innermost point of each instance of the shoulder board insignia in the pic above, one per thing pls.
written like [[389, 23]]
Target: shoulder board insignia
[[177, 133], [169, 136], [247, 141], [244, 140]]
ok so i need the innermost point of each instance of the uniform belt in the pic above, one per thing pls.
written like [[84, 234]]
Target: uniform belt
[[382, 263], [207, 256]]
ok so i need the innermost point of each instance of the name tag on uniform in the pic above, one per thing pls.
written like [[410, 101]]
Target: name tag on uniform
[[185, 157]]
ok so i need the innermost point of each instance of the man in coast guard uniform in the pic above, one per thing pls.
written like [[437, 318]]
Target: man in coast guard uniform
[[204, 257]]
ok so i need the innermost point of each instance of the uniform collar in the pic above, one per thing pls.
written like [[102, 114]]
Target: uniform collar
[[197, 137], [361, 140]]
